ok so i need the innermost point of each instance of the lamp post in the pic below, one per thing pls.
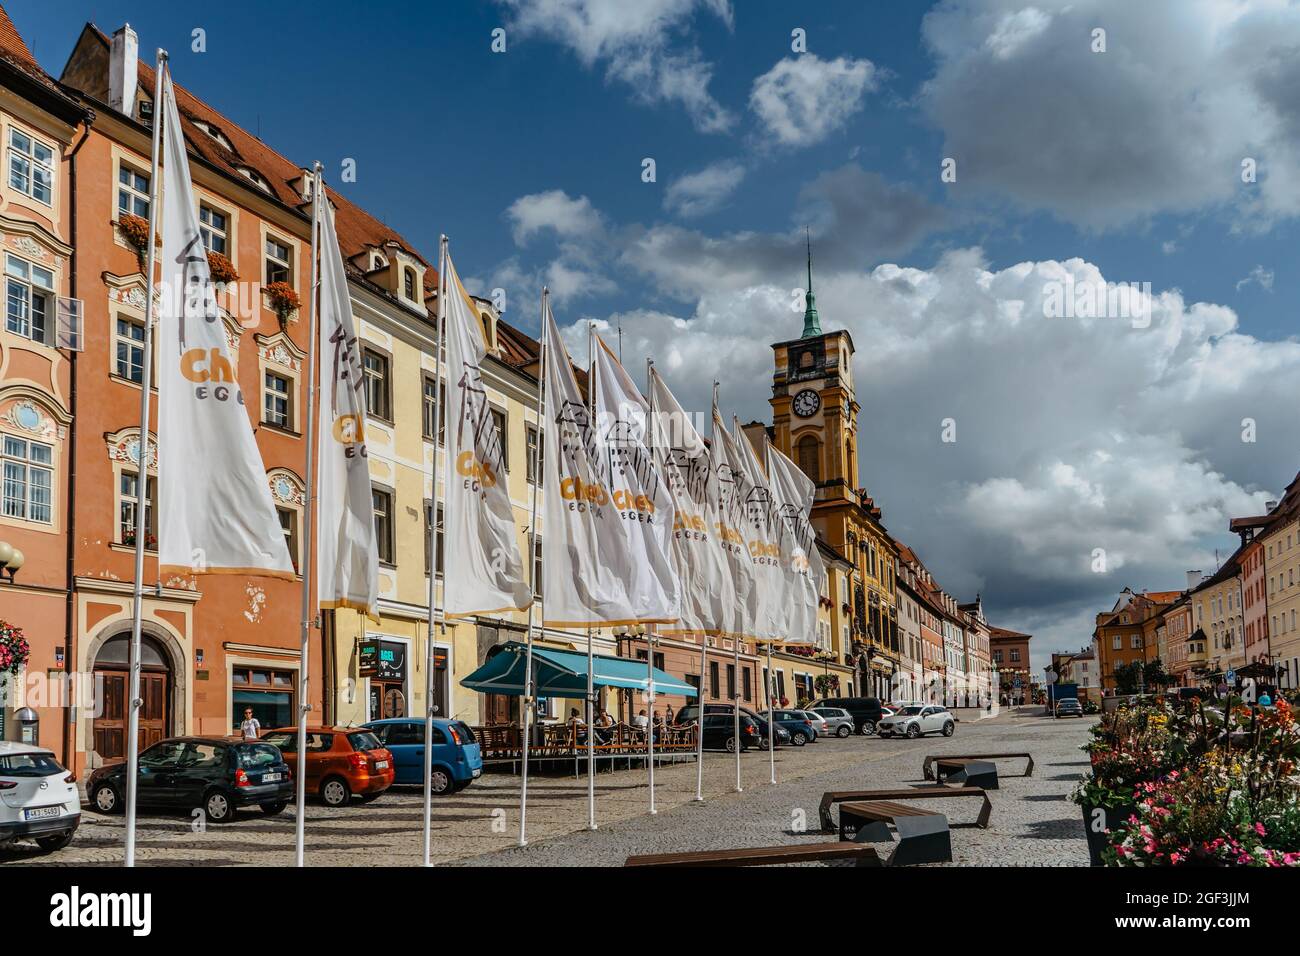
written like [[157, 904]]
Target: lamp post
[[11, 559]]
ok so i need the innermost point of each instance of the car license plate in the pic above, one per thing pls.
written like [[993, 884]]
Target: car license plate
[[478, 772], [381, 764], [270, 777], [41, 813]]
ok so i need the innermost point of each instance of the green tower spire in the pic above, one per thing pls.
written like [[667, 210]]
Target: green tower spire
[[812, 323]]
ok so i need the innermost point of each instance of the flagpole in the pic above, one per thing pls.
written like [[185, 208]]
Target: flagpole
[[699, 726], [649, 636], [591, 690], [433, 551], [142, 473], [735, 705], [529, 689], [318, 198], [771, 722]]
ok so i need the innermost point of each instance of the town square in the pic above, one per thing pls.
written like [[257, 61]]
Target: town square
[[650, 434]]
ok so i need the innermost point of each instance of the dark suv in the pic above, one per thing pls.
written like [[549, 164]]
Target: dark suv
[[865, 711], [689, 712], [215, 774]]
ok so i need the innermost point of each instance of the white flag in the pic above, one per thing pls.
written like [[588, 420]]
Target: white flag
[[587, 562], [214, 502], [733, 490], [703, 568], [348, 559], [801, 561], [482, 570], [639, 494], [763, 535]]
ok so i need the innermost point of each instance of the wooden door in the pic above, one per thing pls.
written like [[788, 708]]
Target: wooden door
[[110, 727], [497, 709]]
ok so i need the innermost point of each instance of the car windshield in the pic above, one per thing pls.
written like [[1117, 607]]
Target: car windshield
[[258, 756], [364, 740], [29, 765], [910, 711]]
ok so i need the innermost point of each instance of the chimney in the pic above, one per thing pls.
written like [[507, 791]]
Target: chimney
[[1193, 579], [122, 64], [1270, 506]]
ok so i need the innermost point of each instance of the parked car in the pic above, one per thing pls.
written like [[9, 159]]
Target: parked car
[[798, 725], [779, 737], [917, 720], [218, 775], [38, 797], [457, 757], [1069, 707], [866, 711], [820, 727], [838, 720], [720, 733], [341, 762]]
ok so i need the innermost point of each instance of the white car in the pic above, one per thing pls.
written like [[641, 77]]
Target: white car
[[820, 726], [917, 720], [38, 797]]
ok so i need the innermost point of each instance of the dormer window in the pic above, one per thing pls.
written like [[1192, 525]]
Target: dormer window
[[255, 177], [408, 283], [215, 134], [377, 261]]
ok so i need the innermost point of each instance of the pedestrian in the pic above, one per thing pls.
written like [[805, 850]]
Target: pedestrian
[[641, 721], [577, 726], [251, 726], [1265, 700]]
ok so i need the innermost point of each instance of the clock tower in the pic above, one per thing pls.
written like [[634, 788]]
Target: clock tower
[[815, 424]]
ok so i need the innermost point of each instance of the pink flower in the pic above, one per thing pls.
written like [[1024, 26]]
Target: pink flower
[[1259, 828]]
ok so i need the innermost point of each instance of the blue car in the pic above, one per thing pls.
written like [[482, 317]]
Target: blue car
[[457, 759], [797, 723]]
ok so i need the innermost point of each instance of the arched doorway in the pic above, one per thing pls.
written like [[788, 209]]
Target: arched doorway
[[112, 668]]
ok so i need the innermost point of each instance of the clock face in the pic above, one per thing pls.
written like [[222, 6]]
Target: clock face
[[806, 403]]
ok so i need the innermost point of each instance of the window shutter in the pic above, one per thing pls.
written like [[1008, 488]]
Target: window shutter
[[66, 332]]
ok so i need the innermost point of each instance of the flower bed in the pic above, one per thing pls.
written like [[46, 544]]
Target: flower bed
[[1199, 786]]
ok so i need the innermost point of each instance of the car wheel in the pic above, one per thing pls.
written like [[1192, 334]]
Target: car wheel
[[106, 799], [440, 780], [731, 745], [948, 728], [217, 808], [55, 841], [913, 731], [867, 728], [272, 809], [335, 792], [798, 739], [843, 730]]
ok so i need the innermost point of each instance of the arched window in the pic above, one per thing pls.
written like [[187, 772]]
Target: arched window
[[409, 280], [809, 453]]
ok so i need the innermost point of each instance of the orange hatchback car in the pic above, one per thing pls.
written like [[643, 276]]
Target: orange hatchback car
[[342, 762]]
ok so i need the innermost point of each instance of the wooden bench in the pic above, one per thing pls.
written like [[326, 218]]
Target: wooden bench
[[862, 853], [967, 772], [927, 768], [923, 835], [832, 797]]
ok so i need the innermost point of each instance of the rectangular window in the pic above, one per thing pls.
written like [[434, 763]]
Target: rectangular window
[[375, 367], [537, 566], [214, 226], [132, 192], [289, 525], [129, 510], [731, 682], [499, 420], [383, 505], [279, 262], [1015, 655], [28, 479], [277, 400], [130, 349], [438, 537], [713, 679], [430, 396], [1135, 641], [31, 167], [29, 299], [536, 454], [744, 683]]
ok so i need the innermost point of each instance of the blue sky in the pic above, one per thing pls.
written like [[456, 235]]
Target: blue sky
[[1118, 165]]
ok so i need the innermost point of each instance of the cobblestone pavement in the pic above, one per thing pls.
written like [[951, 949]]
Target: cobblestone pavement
[[1033, 822]]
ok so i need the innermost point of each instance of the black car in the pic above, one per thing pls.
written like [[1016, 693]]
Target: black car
[[214, 774], [865, 711], [720, 732], [688, 713]]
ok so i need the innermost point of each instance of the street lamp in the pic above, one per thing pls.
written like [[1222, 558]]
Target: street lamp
[[11, 559]]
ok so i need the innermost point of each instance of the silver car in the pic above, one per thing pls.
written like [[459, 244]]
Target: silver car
[[839, 722], [917, 720]]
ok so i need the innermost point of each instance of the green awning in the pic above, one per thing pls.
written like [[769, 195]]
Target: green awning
[[564, 674]]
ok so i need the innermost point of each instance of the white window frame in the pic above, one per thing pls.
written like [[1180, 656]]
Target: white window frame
[[286, 396], [22, 466], [24, 275], [29, 157], [209, 230], [132, 191], [268, 257]]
